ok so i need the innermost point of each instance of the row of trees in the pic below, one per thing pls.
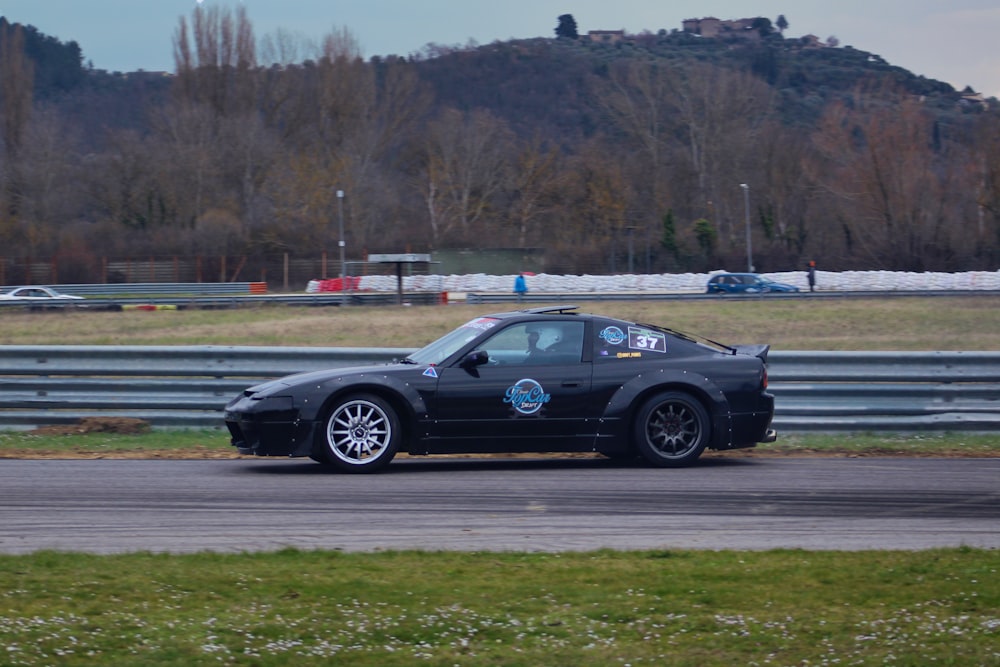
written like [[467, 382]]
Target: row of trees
[[243, 158]]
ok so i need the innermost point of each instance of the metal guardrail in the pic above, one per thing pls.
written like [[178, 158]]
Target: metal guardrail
[[167, 386], [478, 298], [886, 391], [121, 296], [188, 386], [116, 289]]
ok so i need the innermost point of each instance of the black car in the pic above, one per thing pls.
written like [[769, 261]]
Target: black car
[[538, 380]]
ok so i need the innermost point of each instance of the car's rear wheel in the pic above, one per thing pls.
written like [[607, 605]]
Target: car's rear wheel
[[671, 429], [361, 433]]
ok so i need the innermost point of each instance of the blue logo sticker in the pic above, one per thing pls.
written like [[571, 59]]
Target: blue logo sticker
[[612, 336], [526, 396], [430, 372]]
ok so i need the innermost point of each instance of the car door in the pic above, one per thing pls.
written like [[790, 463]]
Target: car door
[[530, 396]]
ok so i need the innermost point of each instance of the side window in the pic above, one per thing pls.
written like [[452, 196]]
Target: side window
[[618, 342], [509, 346], [536, 343], [558, 343]]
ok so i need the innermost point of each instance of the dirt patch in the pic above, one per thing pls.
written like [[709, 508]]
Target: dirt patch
[[192, 453], [122, 425]]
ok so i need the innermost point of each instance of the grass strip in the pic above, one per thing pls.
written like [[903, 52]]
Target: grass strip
[[782, 607], [204, 444], [904, 323]]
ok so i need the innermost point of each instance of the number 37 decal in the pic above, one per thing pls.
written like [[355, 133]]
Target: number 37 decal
[[646, 340]]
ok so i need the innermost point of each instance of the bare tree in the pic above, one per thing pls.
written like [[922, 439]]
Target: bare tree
[[49, 182], [698, 123], [985, 168], [188, 168], [465, 163], [218, 68], [639, 102], [785, 193], [721, 115], [595, 204], [533, 188], [283, 48], [395, 101], [894, 190], [344, 120]]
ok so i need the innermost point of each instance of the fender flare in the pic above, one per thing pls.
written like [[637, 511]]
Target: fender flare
[[402, 395], [623, 404]]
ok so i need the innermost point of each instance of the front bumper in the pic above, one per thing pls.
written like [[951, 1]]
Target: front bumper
[[262, 428]]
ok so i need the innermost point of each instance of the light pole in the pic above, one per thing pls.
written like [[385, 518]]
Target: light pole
[[746, 209], [340, 207], [630, 230]]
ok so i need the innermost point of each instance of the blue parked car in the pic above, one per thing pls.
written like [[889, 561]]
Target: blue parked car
[[745, 283]]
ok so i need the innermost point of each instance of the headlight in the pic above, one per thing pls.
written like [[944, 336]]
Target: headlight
[[274, 402]]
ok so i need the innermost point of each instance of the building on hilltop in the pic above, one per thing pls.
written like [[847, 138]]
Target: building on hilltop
[[706, 27], [606, 36], [713, 27]]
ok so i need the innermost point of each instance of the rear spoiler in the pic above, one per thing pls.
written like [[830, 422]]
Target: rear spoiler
[[759, 351]]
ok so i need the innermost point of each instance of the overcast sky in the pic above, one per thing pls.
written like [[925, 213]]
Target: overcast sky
[[954, 41]]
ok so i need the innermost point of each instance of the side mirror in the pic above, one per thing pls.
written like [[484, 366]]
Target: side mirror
[[477, 358]]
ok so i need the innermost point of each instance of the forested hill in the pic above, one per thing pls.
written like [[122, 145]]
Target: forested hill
[[549, 82], [546, 83], [57, 65], [660, 147]]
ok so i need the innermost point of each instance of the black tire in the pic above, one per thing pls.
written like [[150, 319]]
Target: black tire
[[361, 433], [672, 429]]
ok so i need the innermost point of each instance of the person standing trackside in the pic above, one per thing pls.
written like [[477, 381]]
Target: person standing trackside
[[812, 276], [520, 287]]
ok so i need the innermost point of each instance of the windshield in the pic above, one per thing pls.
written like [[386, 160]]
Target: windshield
[[450, 343]]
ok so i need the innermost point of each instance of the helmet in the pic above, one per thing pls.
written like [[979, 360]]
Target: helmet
[[547, 335]]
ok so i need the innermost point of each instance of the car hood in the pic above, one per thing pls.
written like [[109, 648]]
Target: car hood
[[314, 377]]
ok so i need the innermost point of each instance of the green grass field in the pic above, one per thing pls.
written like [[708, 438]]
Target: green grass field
[[900, 323], [698, 608]]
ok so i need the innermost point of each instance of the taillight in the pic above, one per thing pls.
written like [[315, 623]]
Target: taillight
[[764, 379]]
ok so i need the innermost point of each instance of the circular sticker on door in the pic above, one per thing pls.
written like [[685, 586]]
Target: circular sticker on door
[[526, 396]]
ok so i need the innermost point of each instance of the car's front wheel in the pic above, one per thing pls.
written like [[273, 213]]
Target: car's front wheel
[[361, 434], [671, 429]]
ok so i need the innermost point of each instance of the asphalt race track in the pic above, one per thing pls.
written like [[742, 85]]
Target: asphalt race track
[[232, 505]]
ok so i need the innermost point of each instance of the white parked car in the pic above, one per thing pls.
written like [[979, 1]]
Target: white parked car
[[41, 295]]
